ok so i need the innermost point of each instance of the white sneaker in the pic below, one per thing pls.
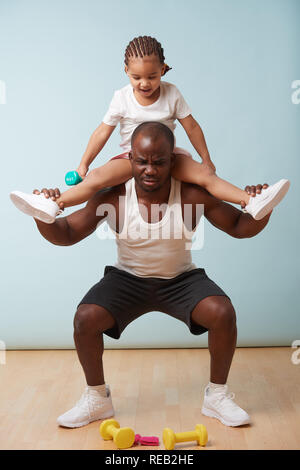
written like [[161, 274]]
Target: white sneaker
[[219, 404], [260, 205], [36, 205], [91, 407]]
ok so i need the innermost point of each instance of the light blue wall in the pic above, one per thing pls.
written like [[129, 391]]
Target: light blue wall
[[234, 61]]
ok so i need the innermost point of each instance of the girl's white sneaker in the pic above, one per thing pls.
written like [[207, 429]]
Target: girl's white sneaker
[[260, 205], [36, 205], [219, 404], [91, 407]]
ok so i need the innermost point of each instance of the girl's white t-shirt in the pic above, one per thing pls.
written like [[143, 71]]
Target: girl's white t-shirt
[[126, 110]]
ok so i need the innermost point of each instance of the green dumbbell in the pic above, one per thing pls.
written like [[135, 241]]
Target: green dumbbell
[[72, 178]]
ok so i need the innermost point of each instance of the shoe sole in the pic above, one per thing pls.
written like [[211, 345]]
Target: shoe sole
[[109, 414], [283, 189], [27, 208], [211, 414]]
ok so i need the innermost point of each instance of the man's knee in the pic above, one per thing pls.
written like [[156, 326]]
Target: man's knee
[[215, 312], [223, 313], [91, 319]]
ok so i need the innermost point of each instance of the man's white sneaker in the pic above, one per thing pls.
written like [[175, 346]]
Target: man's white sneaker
[[219, 404], [91, 407], [36, 205], [260, 205]]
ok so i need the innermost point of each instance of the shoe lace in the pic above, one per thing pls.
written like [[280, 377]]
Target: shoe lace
[[84, 401], [89, 402], [230, 396], [226, 400]]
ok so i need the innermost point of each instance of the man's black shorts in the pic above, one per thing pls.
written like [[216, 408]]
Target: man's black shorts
[[127, 297]]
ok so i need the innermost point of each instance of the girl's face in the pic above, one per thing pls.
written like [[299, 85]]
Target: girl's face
[[145, 74]]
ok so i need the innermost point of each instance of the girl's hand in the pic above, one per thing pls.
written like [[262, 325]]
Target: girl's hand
[[82, 170]]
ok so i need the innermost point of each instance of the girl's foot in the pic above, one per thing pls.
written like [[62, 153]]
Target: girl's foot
[[263, 203], [36, 205]]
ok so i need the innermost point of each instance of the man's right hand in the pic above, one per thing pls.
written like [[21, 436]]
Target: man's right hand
[[252, 191], [52, 193]]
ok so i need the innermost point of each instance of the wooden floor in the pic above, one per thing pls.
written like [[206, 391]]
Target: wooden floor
[[151, 389]]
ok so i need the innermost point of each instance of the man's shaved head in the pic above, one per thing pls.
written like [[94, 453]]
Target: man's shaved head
[[153, 130], [152, 155]]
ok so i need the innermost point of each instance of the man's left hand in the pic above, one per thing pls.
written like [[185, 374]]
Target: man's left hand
[[52, 194]]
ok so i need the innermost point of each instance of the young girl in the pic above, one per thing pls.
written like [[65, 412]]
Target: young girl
[[147, 98]]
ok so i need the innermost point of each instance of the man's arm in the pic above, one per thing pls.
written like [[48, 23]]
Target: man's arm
[[75, 227], [224, 216], [233, 221]]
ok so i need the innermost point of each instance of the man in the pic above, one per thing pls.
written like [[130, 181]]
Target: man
[[152, 273]]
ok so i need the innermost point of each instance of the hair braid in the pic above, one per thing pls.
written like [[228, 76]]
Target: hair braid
[[145, 45]]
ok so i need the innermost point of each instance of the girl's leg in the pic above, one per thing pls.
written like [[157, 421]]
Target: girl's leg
[[110, 174], [188, 170]]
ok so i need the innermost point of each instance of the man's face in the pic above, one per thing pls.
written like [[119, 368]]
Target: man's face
[[152, 161]]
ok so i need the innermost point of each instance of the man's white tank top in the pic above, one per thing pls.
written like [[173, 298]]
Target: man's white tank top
[[159, 249]]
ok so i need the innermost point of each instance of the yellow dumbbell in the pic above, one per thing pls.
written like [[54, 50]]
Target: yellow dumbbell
[[123, 437], [170, 438]]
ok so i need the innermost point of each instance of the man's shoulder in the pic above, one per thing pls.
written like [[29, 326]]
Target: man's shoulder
[[108, 195], [193, 194]]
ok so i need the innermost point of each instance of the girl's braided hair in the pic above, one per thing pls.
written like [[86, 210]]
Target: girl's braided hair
[[145, 45]]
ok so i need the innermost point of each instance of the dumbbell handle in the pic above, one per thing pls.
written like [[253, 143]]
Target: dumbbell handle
[[186, 436], [112, 430]]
